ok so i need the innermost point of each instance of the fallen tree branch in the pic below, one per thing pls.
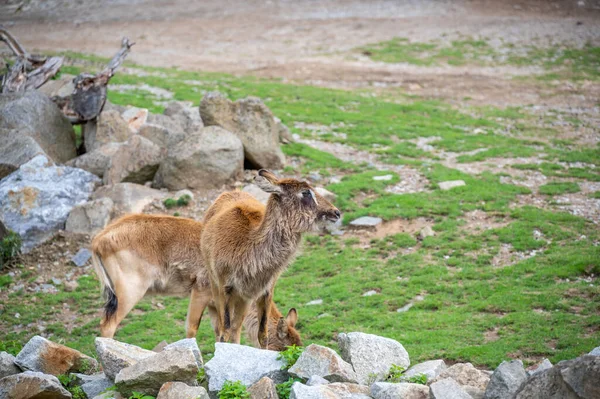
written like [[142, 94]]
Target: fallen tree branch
[[88, 99], [19, 51]]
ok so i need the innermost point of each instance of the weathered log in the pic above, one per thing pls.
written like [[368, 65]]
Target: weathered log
[[29, 71], [88, 99]]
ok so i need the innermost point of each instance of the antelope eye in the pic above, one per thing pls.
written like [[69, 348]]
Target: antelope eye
[[306, 194]]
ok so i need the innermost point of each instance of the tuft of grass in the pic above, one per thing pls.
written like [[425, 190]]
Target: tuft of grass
[[234, 390], [184, 200], [559, 188], [10, 249]]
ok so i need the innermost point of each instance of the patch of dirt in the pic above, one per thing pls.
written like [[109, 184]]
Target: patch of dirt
[[411, 226], [479, 220], [491, 335], [506, 256]]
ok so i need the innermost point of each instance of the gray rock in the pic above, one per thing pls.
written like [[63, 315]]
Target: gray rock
[[160, 346], [263, 389], [548, 384], [16, 149], [179, 390], [32, 384], [185, 114], [62, 87], [90, 217], [447, 185], [158, 134], [70, 286], [257, 193], [110, 128], [93, 385], [176, 132], [404, 390], [36, 200], [34, 114], [7, 365], [328, 195], [465, 375], [135, 117], [430, 369], [366, 222], [425, 232], [582, 375], [129, 197], [324, 362], [252, 121], [543, 365], [447, 388], [383, 178], [40, 354], [506, 380], [96, 161], [189, 343], [337, 390], [371, 354], [316, 380], [115, 355], [595, 352], [149, 374], [314, 302], [136, 161], [207, 158], [242, 363], [285, 136], [81, 258]]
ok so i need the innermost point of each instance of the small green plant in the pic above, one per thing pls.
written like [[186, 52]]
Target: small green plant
[[418, 379], [67, 381], [201, 376], [290, 355], [111, 388], [10, 249], [371, 379], [11, 346], [395, 374], [234, 390], [139, 395], [285, 388], [181, 201]]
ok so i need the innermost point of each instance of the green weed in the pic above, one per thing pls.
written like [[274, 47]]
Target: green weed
[[233, 390], [10, 249], [285, 388], [290, 355]]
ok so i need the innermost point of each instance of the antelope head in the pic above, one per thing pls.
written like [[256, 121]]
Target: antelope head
[[302, 208]]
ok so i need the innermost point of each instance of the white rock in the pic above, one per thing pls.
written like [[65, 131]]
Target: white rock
[[430, 369], [31, 384], [447, 185], [383, 178], [180, 390], [447, 389], [189, 343], [324, 362], [315, 302], [404, 390], [371, 354], [366, 222], [336, 390], [115, 355]]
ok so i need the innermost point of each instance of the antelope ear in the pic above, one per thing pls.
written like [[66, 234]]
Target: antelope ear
[[292, 317], [267, 181], [282, 328]]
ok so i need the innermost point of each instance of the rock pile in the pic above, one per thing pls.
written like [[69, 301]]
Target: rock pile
[[177, 371], [46, 187]]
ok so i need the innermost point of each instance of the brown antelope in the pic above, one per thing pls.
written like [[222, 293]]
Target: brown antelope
[[139, 255], [246, 246]]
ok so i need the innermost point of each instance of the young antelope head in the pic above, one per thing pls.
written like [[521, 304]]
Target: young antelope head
[[301, 206], [287, 335]]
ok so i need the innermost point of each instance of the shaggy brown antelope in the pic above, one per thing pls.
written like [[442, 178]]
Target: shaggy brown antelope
[[139, 255], [246, 246]]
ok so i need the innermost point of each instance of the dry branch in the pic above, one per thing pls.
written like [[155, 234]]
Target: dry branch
[[88, 99]]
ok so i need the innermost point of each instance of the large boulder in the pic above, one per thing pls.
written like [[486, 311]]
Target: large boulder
[[31, 384], [148, 375], [207, 158], [569, 379], [160, 135], [7, 365], [40, 354], [337, 390], [115, 355], [128, 197], [36, 200], [324, 362], [16, 149], [110, 128], [96, 161], [136, 161], [506, 380], [405, 390], [179, 390], [242, 363], [371, 354], [93, 385], [91, 217], [189, 343], [430, 369], [185, 114], [252, 121], [34, 114]]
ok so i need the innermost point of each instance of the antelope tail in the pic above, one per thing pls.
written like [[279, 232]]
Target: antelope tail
[[108, 292]]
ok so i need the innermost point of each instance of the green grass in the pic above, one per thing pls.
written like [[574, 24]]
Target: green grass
[[559, 188], [542, 302]]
